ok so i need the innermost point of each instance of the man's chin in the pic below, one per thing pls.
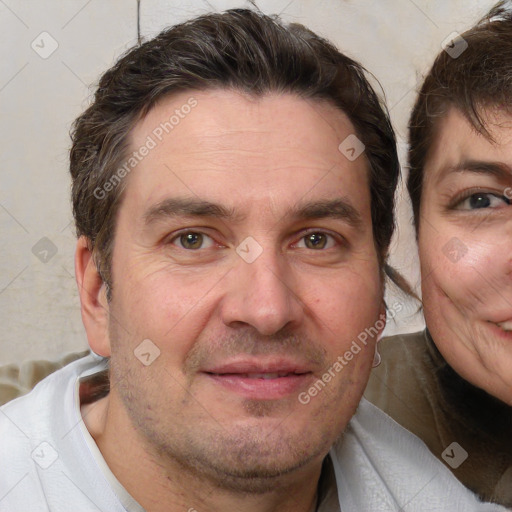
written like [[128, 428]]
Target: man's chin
[[253, 475], [254, 459], [252, 483]]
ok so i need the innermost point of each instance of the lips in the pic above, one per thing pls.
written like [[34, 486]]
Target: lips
[[261, 380], [506, 326], [266, 376], [502, 330], [261, 366]]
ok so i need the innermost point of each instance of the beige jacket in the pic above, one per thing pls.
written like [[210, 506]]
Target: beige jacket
[[418, 389]]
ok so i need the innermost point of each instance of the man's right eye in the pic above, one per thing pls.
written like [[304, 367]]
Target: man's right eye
[[192, 240]]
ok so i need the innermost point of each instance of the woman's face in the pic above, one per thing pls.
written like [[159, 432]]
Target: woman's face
[[465, 244]]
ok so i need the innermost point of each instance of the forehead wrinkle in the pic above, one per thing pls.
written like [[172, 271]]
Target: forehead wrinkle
[[231, 149]]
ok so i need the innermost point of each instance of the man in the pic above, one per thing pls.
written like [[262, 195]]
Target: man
[[233, 188]]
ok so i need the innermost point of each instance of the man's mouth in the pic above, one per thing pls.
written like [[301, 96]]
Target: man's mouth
[[261, 380], [265, 376]]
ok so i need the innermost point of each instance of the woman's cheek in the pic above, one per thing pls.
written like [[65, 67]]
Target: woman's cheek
[[470, 280]]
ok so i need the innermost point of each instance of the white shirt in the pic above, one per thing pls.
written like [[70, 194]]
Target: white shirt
[[49, 461]]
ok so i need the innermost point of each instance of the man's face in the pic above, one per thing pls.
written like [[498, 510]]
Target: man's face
[[465, 242], [244, 252]]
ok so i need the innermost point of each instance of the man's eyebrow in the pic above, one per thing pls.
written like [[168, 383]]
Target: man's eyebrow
[[187, 207], [498, 169], [334, 208], [173, 207]]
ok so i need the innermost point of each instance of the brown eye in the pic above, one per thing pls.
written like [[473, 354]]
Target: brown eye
[[316, 240], [193, 241]]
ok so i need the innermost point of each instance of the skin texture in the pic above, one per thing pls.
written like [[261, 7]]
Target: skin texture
[[466, 251], [175, 436]]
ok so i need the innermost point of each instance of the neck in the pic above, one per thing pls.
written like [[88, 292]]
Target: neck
[[159, 483]]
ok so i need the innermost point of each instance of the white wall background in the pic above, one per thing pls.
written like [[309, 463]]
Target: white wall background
[[41, 94]]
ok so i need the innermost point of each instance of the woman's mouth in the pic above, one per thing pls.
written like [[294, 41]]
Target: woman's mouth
[[506, 326]]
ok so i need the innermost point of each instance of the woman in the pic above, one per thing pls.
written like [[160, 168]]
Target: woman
[[452, 384]]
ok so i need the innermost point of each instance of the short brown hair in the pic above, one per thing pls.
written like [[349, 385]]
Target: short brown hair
[[241, 50], [480, 78]]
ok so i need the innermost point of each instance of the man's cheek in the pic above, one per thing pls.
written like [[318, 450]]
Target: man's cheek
[[354, 301], [161, 295]]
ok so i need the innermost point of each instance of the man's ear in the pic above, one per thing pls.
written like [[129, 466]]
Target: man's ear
[[93, 299]]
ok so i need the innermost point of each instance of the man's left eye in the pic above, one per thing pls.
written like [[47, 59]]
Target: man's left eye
[[317, 240], [193, 240], [483, 200]]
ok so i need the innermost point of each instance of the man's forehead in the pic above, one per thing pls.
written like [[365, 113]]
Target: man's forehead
[[229, 117], [281, 151]]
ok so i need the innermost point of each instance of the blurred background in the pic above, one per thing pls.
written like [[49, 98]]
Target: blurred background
[[53, 52]]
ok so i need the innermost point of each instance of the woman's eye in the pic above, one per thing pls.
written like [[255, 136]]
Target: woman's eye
[[317, 240], [483, 200], [192, 240]]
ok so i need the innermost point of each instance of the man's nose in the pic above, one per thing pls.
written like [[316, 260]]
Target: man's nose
[[262, 294]]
